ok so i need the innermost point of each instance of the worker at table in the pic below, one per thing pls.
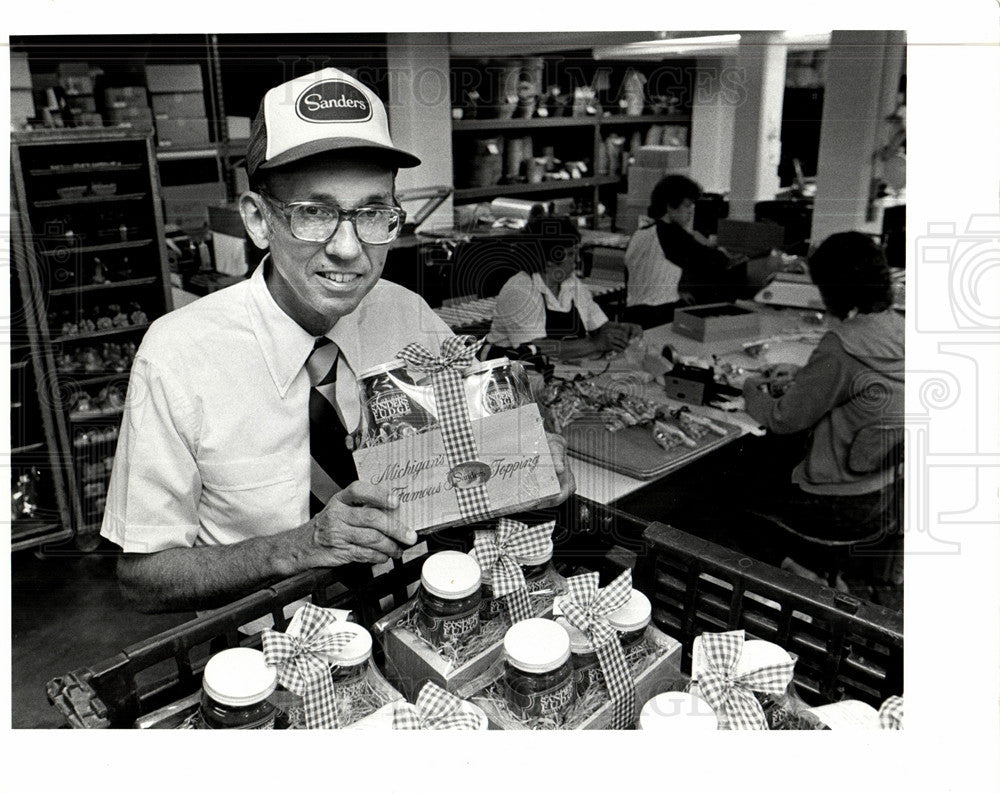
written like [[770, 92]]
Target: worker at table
[[852, 384], [547, 306], [670, 264]]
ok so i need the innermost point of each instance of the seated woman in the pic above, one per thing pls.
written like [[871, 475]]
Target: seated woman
[[669, 264], [547, 306], [852, 382]]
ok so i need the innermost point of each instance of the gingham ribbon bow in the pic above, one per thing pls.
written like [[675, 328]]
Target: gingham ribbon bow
[[301, 669], [497, 551], [586, 607], [890, 714], [435, 710], [457, 353], [732, 695]]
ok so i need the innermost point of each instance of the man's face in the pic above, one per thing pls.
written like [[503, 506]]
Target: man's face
[[318, 283]]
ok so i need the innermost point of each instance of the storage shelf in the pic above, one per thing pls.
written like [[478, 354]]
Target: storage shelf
[[610, 121], [469, 194], [66, 202], [93, 249], [488, 125], [26, 533], [132, 282], [206, 150], [85, 169], [100, 334], [93, 380], [79, 419]]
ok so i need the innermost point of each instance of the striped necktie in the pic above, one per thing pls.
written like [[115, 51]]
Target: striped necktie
[[331, 463]]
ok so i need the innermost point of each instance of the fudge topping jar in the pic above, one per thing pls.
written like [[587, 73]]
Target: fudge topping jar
[[586, 666], [630, 621], [449, 596], [535, 570], [235, 689], [349, 666], [538, 671]]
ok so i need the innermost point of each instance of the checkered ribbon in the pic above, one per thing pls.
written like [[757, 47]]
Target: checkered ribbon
[[457, 353], [497, 551], [890, 714], [732, 695], [300, 667], [436, 710], [586, 607]]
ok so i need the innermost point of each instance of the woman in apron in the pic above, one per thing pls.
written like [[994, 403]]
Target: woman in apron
[[547, 306]]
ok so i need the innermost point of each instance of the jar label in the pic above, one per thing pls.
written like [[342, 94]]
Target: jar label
[[547, 702], [453, 626]]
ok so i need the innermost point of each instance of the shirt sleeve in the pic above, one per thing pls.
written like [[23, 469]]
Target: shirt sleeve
[[155, 486], [592, 315], [519, 315], [821, 385]]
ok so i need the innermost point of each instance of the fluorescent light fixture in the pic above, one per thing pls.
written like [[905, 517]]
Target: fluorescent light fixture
[[722, 44]]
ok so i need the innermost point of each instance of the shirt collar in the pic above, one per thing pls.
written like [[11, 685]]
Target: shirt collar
[[285, 344]]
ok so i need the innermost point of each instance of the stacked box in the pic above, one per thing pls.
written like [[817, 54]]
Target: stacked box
[[652, 163], [178, 104], [187, 205], [128, 106]]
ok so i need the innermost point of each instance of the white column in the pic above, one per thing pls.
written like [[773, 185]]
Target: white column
[[862, 74], [760, 64], [713, 114], [420, 112]]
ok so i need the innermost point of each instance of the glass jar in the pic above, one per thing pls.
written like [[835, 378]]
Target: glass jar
[[586, 666], [449, 596], [630, 621], [538, 672], [535, 570], [349, 665], [236, 686]]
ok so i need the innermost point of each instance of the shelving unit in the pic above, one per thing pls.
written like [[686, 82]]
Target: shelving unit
[[72, 283]]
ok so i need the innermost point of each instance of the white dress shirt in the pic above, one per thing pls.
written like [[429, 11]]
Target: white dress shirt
[[519, 315], [652, 278], [214, 442]]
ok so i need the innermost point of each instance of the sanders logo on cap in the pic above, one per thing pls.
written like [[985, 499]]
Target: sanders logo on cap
[[333, 101]]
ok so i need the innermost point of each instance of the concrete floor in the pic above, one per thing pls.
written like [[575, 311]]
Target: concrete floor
[[66, 613]]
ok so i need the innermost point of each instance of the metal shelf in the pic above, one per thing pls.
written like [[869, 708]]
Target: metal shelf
[[66, 202], [27, 448], [468, 194], [99, 334], [132, 282], [27, 533], [92, 249], [85, 169]]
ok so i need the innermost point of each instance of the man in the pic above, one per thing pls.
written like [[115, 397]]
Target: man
[[220, 486]]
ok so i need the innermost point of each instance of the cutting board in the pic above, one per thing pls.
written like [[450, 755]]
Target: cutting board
[[633, 451]]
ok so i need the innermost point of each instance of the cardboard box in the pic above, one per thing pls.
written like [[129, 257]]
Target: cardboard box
[[518, 471], [138, 115], [125, 96], [187, 105], [409, 661], [663, 157], [168, 78], [661, 676], [182, 132], [20, 75], [238, 127], [714, 321], [22, 105]]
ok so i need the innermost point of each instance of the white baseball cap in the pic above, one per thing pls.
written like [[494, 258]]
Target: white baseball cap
[[320, 112]]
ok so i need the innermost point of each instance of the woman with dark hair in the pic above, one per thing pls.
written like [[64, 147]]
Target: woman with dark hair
[[547, 306], [669, 264], [847, 394]]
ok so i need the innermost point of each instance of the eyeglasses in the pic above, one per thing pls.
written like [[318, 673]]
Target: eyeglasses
[[316, 222]]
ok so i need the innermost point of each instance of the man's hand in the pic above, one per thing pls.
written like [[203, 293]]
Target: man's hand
[[612, 337], [359, 525], [567, 484]]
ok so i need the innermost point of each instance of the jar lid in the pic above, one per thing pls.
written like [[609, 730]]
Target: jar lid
[[239, 677], [579, 642], [632, 616], [358, 650], [450, 575], [483, 366], [536, 645], [760, 653], [680, 711], [538, 559]]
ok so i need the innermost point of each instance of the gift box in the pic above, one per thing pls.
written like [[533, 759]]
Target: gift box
[[464, 443], [410, 660], [714, 321], [660, 672]]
